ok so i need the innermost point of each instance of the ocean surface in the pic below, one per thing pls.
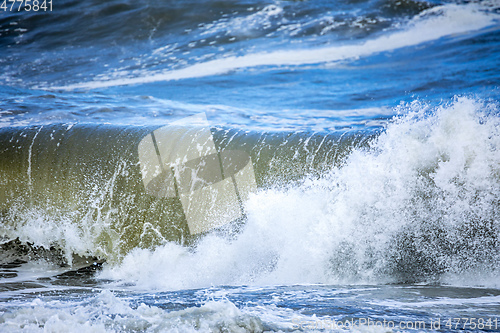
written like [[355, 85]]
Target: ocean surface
[[250, 166]]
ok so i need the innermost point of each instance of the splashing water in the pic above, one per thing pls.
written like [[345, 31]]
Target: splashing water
[[420, 202]]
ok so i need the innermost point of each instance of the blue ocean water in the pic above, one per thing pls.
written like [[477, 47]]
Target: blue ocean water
[[366, 133]]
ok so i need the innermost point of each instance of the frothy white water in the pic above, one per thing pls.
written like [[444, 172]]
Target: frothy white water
[[107, 313], [430, 25], [421, 202]]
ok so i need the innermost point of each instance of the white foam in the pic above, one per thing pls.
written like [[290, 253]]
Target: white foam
[[427, 172], [43, 229], [432, 24], [108, 313]]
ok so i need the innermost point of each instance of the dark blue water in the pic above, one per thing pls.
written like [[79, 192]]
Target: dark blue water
[[294, 61], [369, 133]]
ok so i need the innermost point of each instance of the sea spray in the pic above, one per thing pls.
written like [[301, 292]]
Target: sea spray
[[79, 188], [421, 201]]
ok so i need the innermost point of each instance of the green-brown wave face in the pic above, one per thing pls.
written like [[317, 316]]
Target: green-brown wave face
[[92, 190]]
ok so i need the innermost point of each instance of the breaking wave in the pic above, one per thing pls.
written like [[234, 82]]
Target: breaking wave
[[420, 204]]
